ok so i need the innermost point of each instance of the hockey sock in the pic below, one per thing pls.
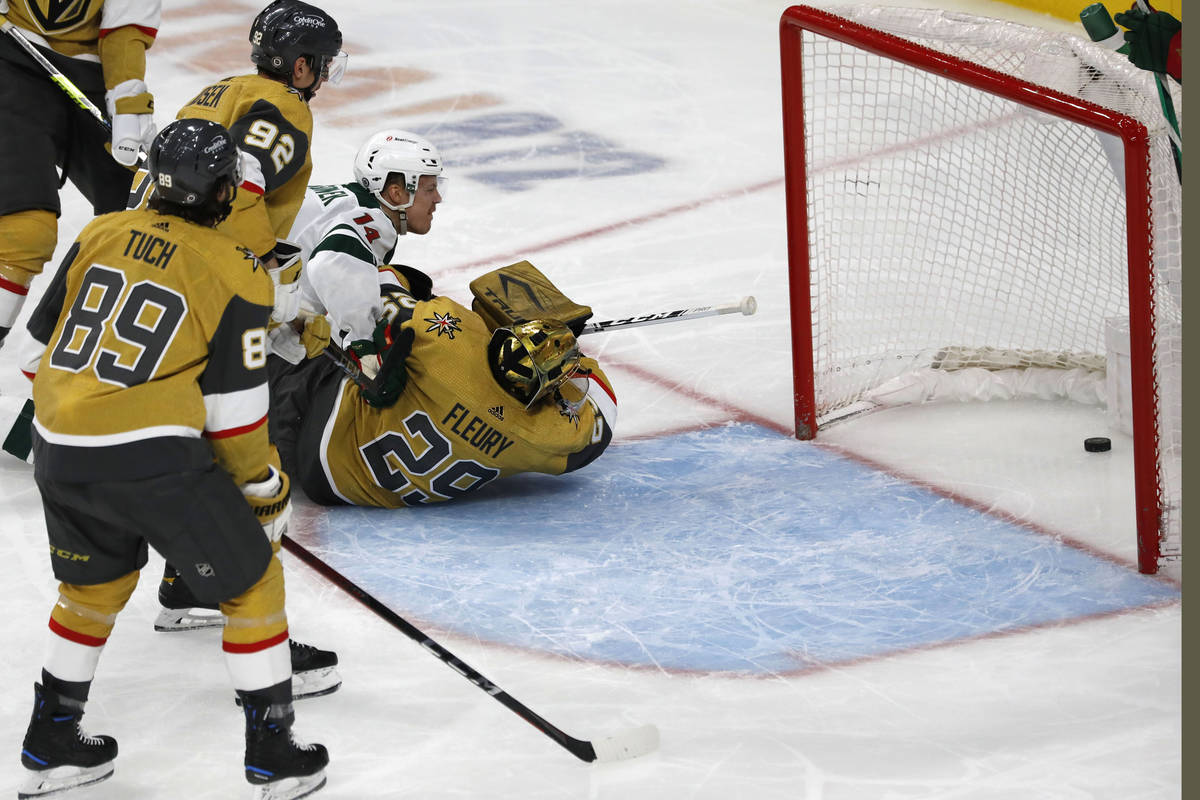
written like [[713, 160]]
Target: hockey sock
[[75, 690]]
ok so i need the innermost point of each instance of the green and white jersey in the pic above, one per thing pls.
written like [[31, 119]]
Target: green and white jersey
[[344, 237]]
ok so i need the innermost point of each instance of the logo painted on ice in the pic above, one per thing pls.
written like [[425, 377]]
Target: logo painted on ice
[[544, 151]]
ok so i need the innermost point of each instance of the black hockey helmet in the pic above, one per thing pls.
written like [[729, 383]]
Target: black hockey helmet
[[289, 29], [189, 160]]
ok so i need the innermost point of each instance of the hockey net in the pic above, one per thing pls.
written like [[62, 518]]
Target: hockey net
[[971, 204]]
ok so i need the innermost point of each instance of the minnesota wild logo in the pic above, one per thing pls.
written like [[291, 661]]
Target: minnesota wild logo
[[56, 16], [443, 323]]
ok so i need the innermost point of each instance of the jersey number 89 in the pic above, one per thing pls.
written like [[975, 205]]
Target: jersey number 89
[[146, 319]]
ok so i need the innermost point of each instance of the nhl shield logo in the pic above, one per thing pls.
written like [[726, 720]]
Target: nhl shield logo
[[205, 570]]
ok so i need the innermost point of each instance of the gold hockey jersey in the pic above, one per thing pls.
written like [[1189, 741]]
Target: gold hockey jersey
[[156, 361], [118, 32], [273, 124], [454, 429]]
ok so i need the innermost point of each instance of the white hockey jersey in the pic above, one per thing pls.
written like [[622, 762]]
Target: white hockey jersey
[[344, 237]]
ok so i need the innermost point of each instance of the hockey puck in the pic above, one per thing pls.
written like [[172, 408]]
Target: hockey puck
[[1097, 444]]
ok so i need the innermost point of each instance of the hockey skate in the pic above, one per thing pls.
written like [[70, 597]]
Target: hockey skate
[[181, 611], [56, 754], [314, 671], [277, 766]]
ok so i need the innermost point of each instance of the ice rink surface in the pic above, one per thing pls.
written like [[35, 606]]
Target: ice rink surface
[[937, 602]]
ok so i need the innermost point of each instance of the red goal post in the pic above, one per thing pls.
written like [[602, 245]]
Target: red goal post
[[941, 199]]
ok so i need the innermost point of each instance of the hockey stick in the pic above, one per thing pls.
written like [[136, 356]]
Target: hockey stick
[[1168, 108], [1102, 29], [62, 80], [747, 306], [349, 366], [626, 744]]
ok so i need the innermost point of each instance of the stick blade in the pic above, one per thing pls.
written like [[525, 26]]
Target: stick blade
[[627, 744]]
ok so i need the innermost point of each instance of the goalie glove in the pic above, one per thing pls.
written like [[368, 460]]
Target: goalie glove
[[271, 501], [286, 276], [131, 109]]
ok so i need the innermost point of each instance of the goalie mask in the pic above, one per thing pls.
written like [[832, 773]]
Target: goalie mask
[[531, 360], [394, 151]]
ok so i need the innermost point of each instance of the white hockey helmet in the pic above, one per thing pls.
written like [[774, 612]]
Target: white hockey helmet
[[395, 151]]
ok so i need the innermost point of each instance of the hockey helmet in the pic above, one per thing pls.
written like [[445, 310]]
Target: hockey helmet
[[289, 29], [188, 162], [530, 360], [395, 151]]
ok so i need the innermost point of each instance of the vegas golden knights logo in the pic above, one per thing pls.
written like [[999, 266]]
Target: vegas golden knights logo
[[56, 16]]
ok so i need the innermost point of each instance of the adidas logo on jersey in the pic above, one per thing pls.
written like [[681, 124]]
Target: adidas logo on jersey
[[497, 412], [162, 226]]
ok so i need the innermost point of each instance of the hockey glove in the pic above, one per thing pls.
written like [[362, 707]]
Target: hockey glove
[[315, 336], [285, 274], [271, 502], [386, 351], [369, 352], [285, 343], [131, 109], [1149, 37], [294, 343]]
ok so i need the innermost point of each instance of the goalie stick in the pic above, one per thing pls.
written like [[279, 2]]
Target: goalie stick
[[747, 306], [623, 745]]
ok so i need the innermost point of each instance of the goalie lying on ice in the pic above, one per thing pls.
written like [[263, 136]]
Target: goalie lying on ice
[[453, 406]]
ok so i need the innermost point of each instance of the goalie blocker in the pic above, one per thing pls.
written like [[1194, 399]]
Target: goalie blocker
[[520, 293]]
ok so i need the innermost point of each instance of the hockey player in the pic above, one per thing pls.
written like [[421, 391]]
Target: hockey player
[[100, 45], [454, 405], [149, 430], [347, 232], [297, 49]]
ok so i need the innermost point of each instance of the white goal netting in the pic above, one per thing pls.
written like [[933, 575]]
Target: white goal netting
[[944, 218]]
